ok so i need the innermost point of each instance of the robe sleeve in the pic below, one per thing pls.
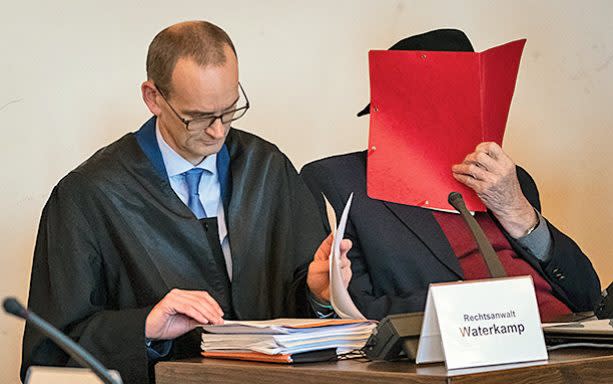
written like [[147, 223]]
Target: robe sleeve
[[67, 288], [307, 231]]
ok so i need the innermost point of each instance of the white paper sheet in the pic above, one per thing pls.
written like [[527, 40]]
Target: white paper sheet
[[279, 326], [339, 296]]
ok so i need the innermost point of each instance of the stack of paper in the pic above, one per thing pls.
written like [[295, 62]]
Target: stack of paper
[[589, 333], [280, 339], [294, 340]]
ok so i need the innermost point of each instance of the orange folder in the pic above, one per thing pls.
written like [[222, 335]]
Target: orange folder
[[305, 357], [250, 356], [429, 109]]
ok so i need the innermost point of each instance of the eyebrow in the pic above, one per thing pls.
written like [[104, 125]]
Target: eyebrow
[[197, 113]]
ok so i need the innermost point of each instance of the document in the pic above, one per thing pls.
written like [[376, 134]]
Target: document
[[339, 296], [277, 326], [234, 339], [589, 333]]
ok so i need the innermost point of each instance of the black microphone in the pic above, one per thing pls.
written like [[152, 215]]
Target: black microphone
[[489, 255], [80, 355]]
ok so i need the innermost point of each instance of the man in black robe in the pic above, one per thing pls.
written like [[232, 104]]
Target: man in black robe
[[130, 257]]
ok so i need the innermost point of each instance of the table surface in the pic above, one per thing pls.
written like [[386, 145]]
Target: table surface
[[563, 366]]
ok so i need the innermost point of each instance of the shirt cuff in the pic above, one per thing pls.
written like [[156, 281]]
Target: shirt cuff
[[322, 310], [538, 242], [157, 349]]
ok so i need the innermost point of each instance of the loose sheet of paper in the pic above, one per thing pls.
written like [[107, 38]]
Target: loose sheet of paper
[[339, 296], [278, 326]]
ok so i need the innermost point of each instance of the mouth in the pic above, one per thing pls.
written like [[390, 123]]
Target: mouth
[[206, 141], [210, 143]]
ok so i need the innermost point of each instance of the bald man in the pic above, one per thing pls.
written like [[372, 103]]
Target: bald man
[[186, 221]]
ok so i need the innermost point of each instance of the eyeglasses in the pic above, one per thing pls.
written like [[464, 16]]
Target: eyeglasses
[[203, 122]]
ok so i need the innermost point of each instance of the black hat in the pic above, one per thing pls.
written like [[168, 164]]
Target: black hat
[[437, 40]]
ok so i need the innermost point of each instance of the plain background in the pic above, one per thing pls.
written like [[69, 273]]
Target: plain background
[[71, 71]]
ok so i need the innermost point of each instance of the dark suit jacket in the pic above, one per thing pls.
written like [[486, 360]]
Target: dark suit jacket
[[398, 250]]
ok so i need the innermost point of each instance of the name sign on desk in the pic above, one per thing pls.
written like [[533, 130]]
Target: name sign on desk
[[482, 322]]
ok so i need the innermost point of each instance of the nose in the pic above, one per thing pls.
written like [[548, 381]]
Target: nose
[[216, 130]]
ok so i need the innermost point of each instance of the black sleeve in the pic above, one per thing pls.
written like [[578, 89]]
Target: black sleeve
[[569, 271], [68, 289], [307, 231]]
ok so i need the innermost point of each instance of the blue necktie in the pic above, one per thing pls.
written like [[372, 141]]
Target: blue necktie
[[192, 178]]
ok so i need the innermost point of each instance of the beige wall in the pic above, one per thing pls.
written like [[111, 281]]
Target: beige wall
[[70, 75]]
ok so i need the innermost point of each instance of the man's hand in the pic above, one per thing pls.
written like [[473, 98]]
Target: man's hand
[[318, 279], [179, 312], [492, 174]]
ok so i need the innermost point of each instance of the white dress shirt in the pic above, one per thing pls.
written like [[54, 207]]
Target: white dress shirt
[[209, 189]]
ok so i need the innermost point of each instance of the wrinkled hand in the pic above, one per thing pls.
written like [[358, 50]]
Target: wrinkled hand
[[491, 173], [318, 278], [179, 312]]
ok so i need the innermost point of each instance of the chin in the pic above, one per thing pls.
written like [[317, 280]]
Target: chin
[[211, 149]]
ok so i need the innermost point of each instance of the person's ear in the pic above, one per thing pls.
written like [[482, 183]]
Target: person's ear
[[150, 96]]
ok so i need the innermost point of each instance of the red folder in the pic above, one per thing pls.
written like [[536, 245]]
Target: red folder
[[428, 111]]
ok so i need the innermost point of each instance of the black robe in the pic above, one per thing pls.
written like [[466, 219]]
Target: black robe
[[114, 238]]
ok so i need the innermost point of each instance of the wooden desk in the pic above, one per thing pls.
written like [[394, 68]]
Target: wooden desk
[[564, 366]]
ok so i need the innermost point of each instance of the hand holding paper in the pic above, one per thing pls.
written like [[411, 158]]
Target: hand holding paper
[[330, 271], [318, 276]]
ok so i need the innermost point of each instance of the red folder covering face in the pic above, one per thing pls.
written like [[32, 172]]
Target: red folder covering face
[[428, 111]]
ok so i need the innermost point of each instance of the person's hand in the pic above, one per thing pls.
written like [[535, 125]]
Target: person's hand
[[179, 312], [318, 278], [491, 173]]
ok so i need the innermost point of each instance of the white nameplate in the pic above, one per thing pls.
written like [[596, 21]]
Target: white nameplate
[[63, 375], [482, 322]]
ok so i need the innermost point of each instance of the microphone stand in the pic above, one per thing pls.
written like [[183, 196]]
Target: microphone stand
[[80, 355], [491, 258]]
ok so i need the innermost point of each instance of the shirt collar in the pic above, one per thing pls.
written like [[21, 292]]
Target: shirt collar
[[176, 164]]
